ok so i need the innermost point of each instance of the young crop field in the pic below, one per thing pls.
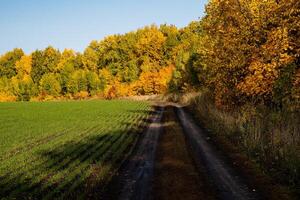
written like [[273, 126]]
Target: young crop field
[[52, 150]]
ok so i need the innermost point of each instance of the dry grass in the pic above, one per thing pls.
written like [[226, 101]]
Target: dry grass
[[268, 137]]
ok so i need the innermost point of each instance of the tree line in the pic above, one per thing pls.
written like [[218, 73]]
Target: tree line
[[241, 51], [136, 63]]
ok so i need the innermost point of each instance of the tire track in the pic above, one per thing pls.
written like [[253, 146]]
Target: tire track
[[228, 184], [137, 176]]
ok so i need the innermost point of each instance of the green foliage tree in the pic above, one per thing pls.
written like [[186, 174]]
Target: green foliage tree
[[93, 83], [67, 64], [91, 56], [7, 62], [37, 66], [172, 36], [130, 72], [77, 82], [24, 88], [50, 85], [44, 62]]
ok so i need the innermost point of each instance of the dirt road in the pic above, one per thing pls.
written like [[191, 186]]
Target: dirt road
[[174, 160], [175, 174]]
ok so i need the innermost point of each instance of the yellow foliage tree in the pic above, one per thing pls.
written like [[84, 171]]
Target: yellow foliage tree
[[149, 47], [23, 66], [66, 60], [246, 46], [154, 82]]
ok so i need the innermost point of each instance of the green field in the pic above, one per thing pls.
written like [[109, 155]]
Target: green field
[[65, 149]]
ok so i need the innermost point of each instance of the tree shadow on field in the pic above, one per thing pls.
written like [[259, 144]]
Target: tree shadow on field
[[73, 170], [120, 181]]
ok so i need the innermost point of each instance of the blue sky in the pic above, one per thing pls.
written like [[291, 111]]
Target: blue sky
[[35, 24]]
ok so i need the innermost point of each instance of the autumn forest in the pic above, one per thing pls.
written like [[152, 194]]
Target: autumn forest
[[243, 51]]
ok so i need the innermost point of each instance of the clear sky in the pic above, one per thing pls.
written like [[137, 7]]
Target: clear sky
[[35, 24]]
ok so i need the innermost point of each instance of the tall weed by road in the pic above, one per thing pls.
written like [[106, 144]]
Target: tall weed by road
[[269, 137]]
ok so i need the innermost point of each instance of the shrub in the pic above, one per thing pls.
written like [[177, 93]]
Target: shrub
[[81, 95], [4, 97]]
